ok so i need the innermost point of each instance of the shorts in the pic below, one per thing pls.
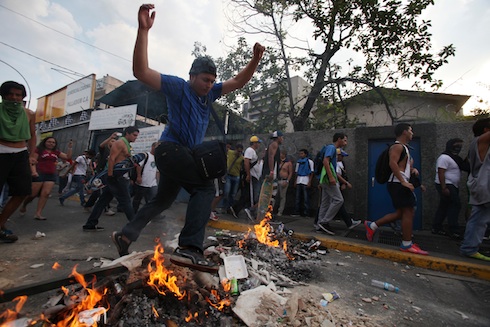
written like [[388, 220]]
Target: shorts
[[401, 196], [44, 178], [15, 171]]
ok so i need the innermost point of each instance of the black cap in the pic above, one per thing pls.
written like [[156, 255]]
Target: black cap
[[203, 65]]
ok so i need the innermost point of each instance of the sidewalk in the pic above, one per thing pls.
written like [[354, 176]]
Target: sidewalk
[[443, 252]]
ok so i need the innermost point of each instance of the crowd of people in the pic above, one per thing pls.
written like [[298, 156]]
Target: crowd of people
[[30, 171]]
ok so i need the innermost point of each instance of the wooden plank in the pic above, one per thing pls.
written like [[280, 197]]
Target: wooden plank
[[48, 285]]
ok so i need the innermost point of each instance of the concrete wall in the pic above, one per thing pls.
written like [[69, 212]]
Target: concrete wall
[[433, 138]]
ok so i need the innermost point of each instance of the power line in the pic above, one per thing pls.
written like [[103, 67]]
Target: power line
[[38, 58], [64, 34]]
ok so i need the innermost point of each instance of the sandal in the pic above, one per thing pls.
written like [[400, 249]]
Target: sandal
[[194, 259], [40, 218]]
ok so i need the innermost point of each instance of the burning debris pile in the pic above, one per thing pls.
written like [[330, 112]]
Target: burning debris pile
[[257, 267]]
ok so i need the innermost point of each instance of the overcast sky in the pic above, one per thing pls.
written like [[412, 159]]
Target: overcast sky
[[48, 41]]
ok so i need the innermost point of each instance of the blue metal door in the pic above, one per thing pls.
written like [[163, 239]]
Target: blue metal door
[[379, 201]]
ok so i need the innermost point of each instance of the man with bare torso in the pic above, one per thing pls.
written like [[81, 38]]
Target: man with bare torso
[[117, 186], [17, 145], [285, 175]]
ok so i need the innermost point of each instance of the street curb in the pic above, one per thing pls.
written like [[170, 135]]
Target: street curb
[[462, 268]]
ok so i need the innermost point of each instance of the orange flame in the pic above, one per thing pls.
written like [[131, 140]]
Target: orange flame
[[263, 229], [160, 278], [56, 266], [155, 312], [87, 302], [219, 303], [191, 316], [10, 315]]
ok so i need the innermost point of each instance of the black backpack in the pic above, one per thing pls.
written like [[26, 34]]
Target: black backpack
[[383, 171], [319, 160]]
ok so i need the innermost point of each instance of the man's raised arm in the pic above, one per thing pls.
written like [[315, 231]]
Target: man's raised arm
[[141, 70], [246, 73]]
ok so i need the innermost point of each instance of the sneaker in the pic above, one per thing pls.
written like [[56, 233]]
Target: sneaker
[[249, 214], [121, 245], [369, 231], [213, 216], [479, 256], [6, 236], [93, 229], [62, 201], [413, 248], [194, 259], [110, 213], [232, 212], [355, 223], [325, 227]]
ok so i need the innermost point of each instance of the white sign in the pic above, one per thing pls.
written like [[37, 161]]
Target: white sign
[[79, 95], [119, 117], [146, 137]]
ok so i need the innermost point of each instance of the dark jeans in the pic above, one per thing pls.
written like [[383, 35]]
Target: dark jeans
[[76, 187], [118, 188], [140, 193], [449, 206], [302, 195], [177, 169]]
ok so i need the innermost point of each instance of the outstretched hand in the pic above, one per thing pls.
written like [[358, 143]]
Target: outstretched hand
[[258, 50], [145, 19]]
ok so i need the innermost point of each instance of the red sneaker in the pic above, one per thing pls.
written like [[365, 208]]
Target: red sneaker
[[213, 216], [369, 231], [414, 248]]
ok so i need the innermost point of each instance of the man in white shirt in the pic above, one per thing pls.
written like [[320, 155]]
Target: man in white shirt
[[82, 165], [253, 170], [146, 184], [448, 175]]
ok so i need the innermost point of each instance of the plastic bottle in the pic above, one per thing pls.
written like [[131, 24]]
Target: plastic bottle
[[234, 287], [384, 285]]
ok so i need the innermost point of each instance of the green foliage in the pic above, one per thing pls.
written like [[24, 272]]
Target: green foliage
[[391, 39]]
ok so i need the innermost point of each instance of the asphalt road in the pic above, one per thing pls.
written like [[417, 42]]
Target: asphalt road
[[426, 298]]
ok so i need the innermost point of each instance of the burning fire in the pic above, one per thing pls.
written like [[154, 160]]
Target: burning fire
[[86, 305], [11, 315], [263, 232], [56, 266], [160, 278]]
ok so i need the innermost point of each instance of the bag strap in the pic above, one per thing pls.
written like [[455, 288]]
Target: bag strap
[[232, 164]]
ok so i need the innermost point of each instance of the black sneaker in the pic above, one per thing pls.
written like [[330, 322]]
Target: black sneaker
[[194, 259], [7, 236], [121, 245], [93, 229], [325, 227]]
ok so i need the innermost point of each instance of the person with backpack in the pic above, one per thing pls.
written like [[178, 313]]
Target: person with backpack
[[331, 198], [400, 190]]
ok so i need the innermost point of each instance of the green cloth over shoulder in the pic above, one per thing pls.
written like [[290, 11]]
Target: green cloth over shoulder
[[324, 177], [14, 123]]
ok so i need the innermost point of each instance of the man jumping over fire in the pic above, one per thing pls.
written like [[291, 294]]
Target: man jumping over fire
[[188, 117]]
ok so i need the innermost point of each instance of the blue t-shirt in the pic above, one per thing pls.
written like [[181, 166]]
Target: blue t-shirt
[[188, 114], [331, 151]]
